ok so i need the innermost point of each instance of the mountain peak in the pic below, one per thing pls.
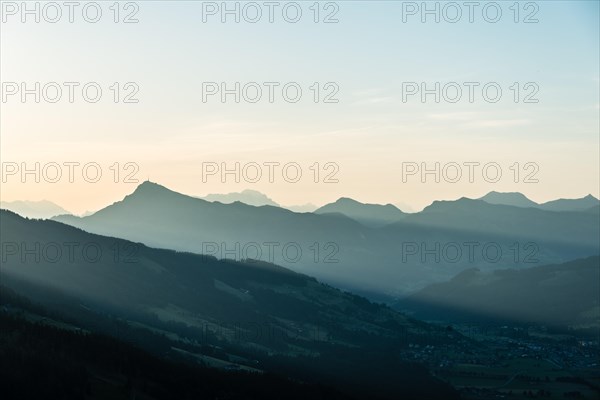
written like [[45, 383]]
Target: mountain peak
[[571, 204], [346, 200], [516, 199], [494, 193], [445, 205], [148, 189], [148, 186], [253, 192], [372, 215], [149, 183], [247, 196]]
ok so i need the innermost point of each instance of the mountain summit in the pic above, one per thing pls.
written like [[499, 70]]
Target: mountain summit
[[148, 187], [517, 199], [581, 204], [250, 197], [372, 215], [509, 199], [340, 244]]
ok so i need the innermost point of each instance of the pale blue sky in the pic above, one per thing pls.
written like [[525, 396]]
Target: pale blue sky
[[369, 53]]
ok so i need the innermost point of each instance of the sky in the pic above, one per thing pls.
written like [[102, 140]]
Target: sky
[[359, 129]]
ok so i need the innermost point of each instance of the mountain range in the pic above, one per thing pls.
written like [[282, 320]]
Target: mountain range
[[520, 200], [390, 260], [197, 280], [368, 214], [247, 311], [563, 295], [34, 209], [255, 198], [373, 215], [250, 197]]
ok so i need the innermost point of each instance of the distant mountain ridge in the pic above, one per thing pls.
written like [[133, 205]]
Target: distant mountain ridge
[[340, 250], [34, 209], [518, 222], [250, 197], [520, 200], [369, 214], [255, 198], [582, 204], [562, 295], [509, 199], [154, 277], [240, 310]]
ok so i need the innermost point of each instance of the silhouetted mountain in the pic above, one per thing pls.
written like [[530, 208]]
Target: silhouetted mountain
[[255, 310], [128, 274], [257, 199], [367, 214], [557, 295], [34, 209], [581, 204], [470, 215], [341, 251], [250, 197], [509, 199], [159, 217], [519, 200]]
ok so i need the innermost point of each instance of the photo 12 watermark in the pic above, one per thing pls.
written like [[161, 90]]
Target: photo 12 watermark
[[69, 92], [55, 12], [270, 172], [452, 12], [453, 252], [470, 92], [273, 251], [68, 172], [469, 172], [269, 92], [254, 12], [65, 253]]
